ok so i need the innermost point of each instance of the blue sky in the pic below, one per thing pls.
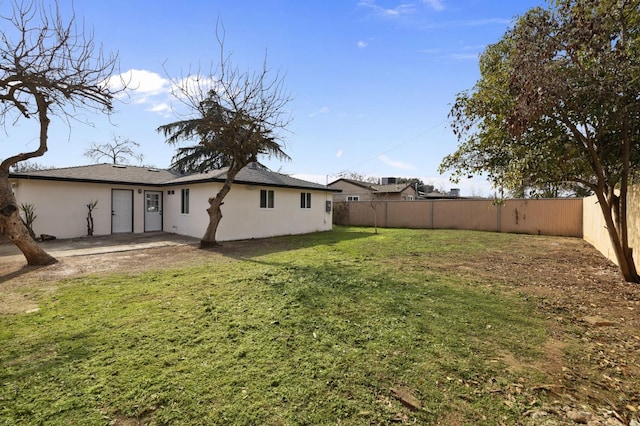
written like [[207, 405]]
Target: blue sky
[[371, 81]]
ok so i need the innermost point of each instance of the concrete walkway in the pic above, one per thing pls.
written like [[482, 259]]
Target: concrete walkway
[[97, 245]]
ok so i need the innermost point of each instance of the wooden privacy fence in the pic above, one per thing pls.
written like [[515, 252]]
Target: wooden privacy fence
[[558, 216], [595, 229]]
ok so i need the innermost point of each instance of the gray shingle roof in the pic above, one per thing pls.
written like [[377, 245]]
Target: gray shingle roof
[[365, 185], [102, 173], [134, 175], [390, 188]]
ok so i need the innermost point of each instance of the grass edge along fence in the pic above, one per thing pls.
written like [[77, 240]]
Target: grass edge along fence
[[554, 217], [567, 217]]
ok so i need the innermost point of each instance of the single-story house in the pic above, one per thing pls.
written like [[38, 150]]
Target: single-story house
[[355, 190], [261, 203]]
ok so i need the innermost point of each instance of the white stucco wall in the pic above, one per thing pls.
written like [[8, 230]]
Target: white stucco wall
[[61, 209], [242, 216]]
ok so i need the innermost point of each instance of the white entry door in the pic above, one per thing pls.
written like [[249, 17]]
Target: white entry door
[[152, 211], [121, 210]]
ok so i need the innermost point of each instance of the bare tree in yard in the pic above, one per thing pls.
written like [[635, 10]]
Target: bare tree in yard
[[47, 68], [118, 152], [374, 203], [237, 116]]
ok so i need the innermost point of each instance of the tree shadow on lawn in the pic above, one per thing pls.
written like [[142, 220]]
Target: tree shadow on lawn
[[428, 304], [406, 331], [47, 355], [18, 272], [247, 249]]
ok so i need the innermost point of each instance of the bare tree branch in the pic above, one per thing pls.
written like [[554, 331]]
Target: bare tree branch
[[49, 67], [237, 118], [118, 152]]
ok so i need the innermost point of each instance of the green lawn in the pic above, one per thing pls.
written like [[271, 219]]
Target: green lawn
[[313, 329]]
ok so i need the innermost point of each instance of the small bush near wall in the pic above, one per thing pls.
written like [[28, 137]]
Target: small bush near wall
[[340, 213]]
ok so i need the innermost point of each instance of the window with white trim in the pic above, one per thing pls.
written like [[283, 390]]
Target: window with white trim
[[305, 200], [353, 198], [267, 198], [153, 202], [184, 201]]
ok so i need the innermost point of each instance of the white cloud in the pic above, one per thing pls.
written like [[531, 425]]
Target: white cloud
[[402, 9], [143, 87], [464, 56], [395, 163], [462, 53], [163, 109], [339, 153], [435, 4], [323, 110], [194, 86], [155, 92], [141, 82], [362, 44]]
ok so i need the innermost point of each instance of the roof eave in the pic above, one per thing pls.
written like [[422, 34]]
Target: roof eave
[[166, 184]]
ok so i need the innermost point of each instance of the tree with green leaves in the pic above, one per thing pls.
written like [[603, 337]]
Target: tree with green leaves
[[198, 159], [237, 119], [557, 106], [47, 69]]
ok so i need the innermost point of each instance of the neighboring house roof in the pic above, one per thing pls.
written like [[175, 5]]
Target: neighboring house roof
[[135, 175], [438, 196], [365, 185], [386, 189], [392, 188]]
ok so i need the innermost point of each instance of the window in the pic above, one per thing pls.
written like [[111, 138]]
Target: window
[[184, 201], [266, 198], [353, 198], [153, 202], [305, 200]]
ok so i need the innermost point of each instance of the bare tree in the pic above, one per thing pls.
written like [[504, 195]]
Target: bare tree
[[345, 174], [374, 203], [28, 166], [118, 152], [48, 67], [237, 116]]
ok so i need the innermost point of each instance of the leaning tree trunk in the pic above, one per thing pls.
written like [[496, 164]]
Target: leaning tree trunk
[[624, 254], [215, 212], [13, 227], [215, 216]]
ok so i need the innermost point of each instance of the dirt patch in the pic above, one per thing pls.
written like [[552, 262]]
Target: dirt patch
[[593, 350], [592, 356], [21, 286]]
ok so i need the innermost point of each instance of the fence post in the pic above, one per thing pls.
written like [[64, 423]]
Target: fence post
[[386, 213], [432, 213]]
